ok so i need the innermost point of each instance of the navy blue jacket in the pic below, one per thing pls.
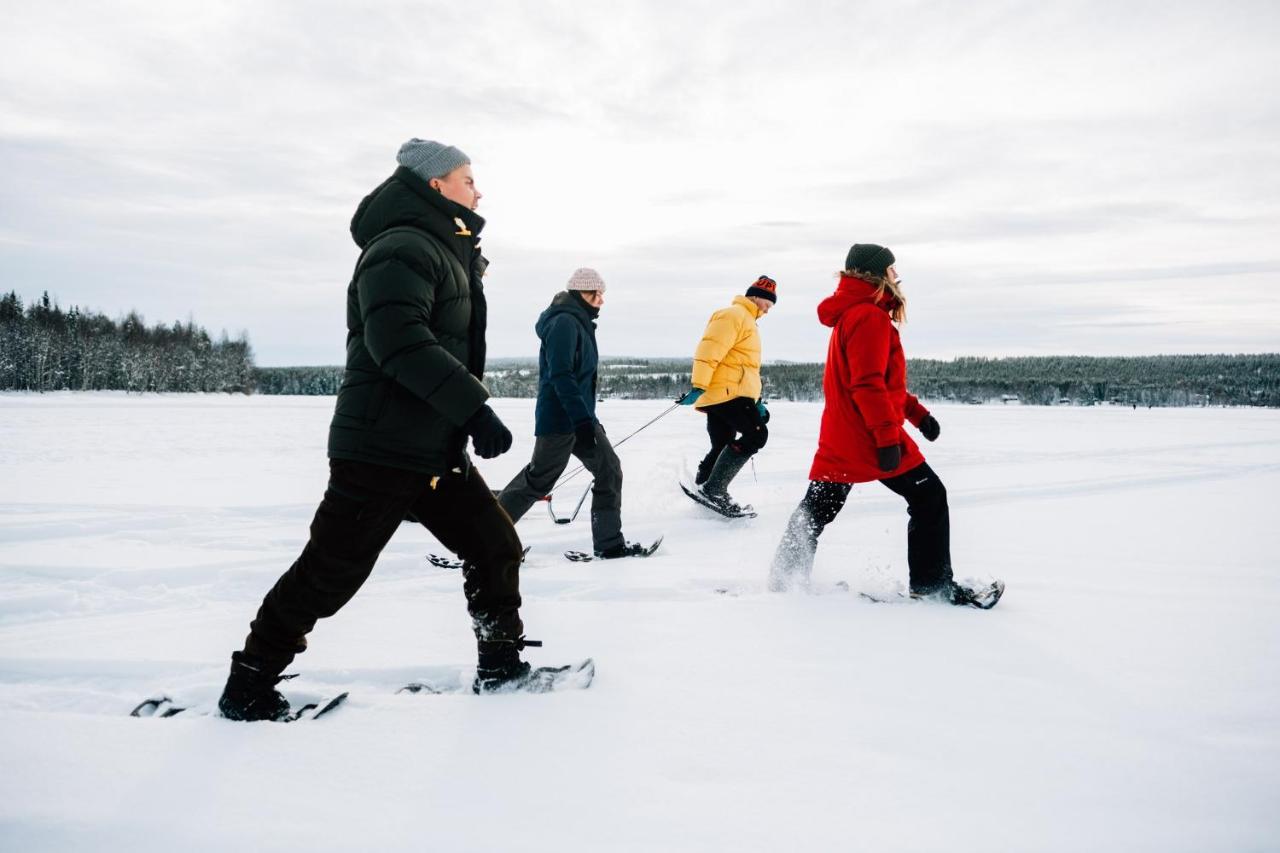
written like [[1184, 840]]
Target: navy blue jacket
[[567, 362]]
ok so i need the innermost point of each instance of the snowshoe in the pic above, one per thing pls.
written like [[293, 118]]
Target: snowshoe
[[500, 670], [159, 706], [984, 598], [628, 549], [523, 678], [442, 562], [721, 504], [163, 707]]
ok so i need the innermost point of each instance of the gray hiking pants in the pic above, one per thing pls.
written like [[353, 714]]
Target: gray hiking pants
[[550, 457]]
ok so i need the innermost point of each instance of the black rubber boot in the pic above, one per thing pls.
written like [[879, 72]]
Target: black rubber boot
[[716, 488], [250, 694]]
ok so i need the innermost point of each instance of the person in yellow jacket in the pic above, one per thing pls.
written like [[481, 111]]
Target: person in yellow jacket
[[726, 388]]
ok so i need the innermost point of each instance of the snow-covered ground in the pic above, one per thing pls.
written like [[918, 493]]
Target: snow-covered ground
[[1123, 696]]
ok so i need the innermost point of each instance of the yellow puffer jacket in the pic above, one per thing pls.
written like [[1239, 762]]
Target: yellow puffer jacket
[[726, 363]]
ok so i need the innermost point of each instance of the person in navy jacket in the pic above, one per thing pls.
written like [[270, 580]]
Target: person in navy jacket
[[565, 417]]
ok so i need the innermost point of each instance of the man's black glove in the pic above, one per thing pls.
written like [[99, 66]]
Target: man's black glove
[[490, 437], [889, 457], [586, 435], [930, 428]]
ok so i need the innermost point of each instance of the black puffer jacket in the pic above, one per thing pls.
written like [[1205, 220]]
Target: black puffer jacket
[[415, 330]]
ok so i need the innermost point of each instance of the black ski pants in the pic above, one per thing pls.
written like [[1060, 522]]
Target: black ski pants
[[361, 509], [735, 422], [928, 528], [551, 454]]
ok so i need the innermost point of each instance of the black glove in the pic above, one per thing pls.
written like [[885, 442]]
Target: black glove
[[930, 428], [586, 435], [889, 457], [490, 437]]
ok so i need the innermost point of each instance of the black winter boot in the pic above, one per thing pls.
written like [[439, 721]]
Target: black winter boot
[[626, 549], [716, 488], [951, 592], [250, 694], [500, 669]]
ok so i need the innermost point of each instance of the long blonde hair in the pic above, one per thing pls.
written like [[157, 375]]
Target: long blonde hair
[[898, 313]]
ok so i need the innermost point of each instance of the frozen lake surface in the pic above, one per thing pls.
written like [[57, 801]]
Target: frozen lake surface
[[1123, 696]]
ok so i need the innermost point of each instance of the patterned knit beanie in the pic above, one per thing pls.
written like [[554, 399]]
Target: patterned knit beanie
[[765, 288]]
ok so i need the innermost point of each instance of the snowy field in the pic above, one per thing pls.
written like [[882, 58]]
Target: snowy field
[[1124, 695]]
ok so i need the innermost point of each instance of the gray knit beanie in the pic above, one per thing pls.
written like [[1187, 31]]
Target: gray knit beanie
[[585, 278], [429, 159]]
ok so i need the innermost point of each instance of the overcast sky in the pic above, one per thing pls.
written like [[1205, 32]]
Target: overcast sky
[[1054, 178]]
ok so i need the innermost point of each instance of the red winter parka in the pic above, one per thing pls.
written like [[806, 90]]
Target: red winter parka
[[865, 385]]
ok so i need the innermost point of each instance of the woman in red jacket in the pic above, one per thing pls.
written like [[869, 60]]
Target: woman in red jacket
[[862, 436]]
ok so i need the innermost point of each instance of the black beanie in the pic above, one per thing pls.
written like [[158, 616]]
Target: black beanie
[[869, 257]]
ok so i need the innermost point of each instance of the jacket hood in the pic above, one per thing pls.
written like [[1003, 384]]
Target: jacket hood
[[564, 302], [850, 291], [405, 199]]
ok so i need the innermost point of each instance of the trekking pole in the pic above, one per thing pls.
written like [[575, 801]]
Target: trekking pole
[[557, 519], [576, 471]]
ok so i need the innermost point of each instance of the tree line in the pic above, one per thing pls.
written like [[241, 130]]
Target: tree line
[[46, 348], [1174, 380]]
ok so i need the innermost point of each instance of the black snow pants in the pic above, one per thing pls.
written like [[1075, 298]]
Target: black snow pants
[[361, 509], [735, 422], [928, 529]]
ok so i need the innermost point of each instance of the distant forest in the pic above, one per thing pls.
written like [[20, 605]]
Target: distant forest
[[44, 348], [1165, 380]]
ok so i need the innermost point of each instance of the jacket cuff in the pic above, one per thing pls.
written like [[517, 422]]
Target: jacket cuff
[[889, 436], [914, 411]]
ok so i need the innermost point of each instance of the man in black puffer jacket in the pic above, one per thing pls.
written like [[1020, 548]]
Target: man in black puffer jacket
[[410, 397]]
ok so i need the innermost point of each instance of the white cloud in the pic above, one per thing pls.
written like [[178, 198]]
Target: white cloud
[[1023, 161]]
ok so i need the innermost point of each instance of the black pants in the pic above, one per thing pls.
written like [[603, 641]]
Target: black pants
[[362, 507], [551, 453], [734, 422], [928, 530]]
